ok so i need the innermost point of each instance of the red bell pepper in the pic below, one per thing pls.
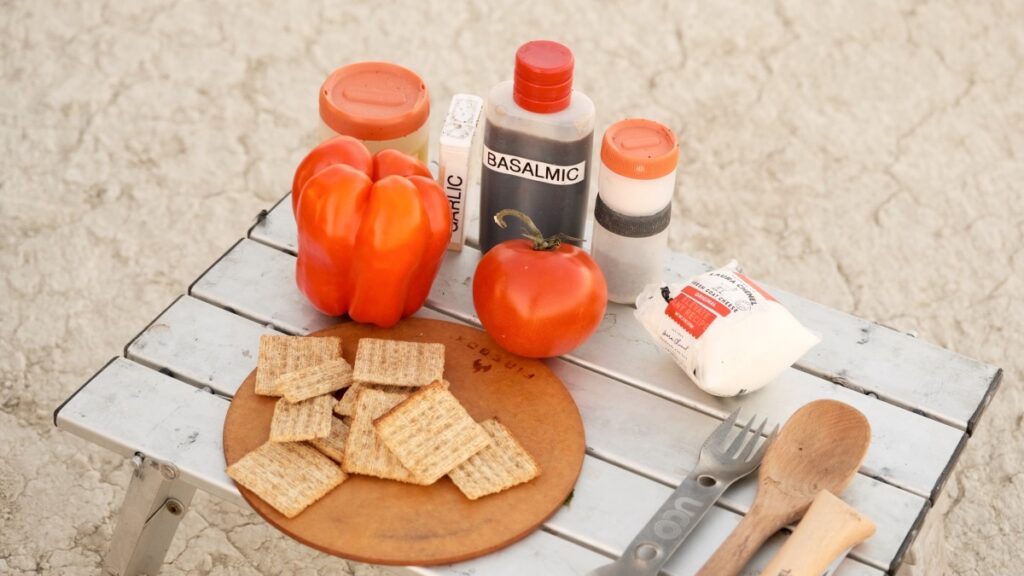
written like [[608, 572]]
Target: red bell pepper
[[372, 231]]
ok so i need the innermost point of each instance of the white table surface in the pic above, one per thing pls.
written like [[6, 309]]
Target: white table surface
[[644, 420]]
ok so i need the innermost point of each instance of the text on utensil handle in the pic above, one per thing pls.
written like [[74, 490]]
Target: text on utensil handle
[[674, 520]]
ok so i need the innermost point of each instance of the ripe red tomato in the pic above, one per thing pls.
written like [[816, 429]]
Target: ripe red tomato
[[539, 302]]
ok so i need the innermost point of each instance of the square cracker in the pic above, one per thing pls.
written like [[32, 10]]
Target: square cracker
[[500, 466], [333, 445], [282, 354], [430, 432], [397, 363], [304, 420], [364, 452], [289, 476], [346, 406], [317, 380]]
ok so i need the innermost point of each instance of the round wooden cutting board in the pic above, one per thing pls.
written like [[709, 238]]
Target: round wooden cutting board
[[385, 522]]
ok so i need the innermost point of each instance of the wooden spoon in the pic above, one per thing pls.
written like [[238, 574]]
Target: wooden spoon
[[820, 448]]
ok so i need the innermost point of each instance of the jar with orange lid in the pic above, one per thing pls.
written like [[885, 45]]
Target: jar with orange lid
[[634, 205], [383, 104]]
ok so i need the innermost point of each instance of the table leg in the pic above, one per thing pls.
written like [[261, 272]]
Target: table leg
[[154, 505]]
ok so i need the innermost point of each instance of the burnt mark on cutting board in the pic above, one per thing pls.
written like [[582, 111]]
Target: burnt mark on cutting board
[[494, 357]]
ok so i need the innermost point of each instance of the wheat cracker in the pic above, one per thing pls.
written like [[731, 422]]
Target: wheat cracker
[[430, 432], [304, 420], [280, 354], [364, 452], [398, 363], [315, 380], [346, 405], [333, 445], [498, 467], [289, 476]]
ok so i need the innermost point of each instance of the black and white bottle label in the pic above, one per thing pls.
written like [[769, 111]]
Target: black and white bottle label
[[534, 169]]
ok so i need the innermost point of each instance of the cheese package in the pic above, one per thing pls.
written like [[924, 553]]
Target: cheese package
[[727, 333]]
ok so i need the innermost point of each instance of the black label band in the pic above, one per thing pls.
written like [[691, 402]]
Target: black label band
[[631, 226]]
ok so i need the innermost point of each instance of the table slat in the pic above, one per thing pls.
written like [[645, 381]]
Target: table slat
[[277, 227], [129, 408], [265, 292], [220, 347]]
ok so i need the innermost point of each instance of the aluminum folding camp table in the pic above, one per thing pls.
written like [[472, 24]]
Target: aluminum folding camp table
[[162, 405]]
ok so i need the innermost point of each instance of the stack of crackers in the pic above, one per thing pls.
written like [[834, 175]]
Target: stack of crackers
[[395, 419]]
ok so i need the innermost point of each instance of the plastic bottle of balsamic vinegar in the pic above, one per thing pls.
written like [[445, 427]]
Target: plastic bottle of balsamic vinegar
[[538, 138]]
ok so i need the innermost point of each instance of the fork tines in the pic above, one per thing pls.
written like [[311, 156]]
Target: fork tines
[[742, 447]]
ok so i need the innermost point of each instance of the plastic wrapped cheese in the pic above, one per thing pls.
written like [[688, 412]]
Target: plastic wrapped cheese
[[727, 333]]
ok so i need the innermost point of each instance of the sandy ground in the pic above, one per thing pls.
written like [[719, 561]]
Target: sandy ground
[[868, 155]]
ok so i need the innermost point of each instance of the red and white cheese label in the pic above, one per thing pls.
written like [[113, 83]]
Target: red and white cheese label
[[711, 296], [727, 333], [688, 312]]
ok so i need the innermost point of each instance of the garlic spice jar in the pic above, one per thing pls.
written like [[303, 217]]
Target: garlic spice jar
[[634, 205], [383, 104]]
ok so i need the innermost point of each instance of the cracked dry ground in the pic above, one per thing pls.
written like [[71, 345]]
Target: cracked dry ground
[[868, 155]]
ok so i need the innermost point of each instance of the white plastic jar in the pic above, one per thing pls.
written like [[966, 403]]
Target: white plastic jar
[[383, 104], [634, 205]]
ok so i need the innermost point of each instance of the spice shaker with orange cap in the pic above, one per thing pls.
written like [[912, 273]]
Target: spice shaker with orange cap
[[383, 104], [634, 205], [538, 138]]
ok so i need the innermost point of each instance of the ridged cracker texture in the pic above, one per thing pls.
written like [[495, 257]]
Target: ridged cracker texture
[[431, 433], [333, 445], [500, 466], [280, 355], [317, 380], [364, 452], [346, 406], [290, 476], [304, 420], [398, 363]]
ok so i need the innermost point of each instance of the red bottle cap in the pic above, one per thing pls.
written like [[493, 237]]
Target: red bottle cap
[[543, 77]]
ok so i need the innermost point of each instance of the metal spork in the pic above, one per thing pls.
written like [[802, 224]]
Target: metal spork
[[720, 464]]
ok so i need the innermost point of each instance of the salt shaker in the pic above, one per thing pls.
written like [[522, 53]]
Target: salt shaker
[[634, 205]]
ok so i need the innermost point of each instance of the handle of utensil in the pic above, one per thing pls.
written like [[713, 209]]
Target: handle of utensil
[[671, 524], [744, 541], [829, 528]]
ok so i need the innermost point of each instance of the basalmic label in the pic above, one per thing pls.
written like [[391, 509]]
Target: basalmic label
[[533, 169]]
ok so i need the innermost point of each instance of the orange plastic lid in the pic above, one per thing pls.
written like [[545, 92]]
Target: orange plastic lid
[[374, 101], [641, 149]]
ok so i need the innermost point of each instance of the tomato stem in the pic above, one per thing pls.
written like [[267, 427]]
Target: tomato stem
[[531, 232]]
